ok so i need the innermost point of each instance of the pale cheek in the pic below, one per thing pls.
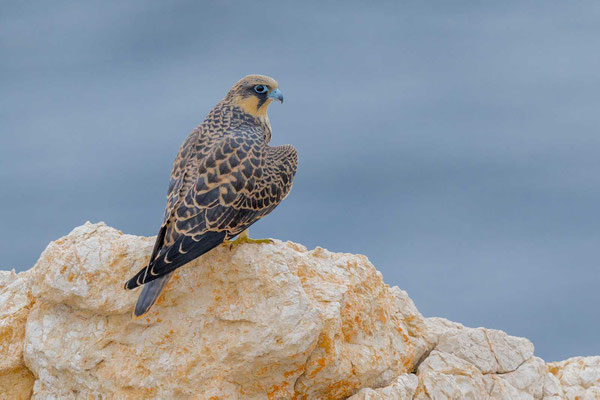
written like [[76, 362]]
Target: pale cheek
[[250, 105]]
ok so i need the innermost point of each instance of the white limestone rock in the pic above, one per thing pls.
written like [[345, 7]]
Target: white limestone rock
[[577, 378], [491, 351], [271, 321], [402, 388], [16, 381], [480, 363], [437, 327], [259, 321], [85, 269]]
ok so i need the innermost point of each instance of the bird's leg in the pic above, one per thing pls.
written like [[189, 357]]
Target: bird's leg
[[244, 238]]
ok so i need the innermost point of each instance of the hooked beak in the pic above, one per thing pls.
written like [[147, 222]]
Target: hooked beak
[[276, 95]]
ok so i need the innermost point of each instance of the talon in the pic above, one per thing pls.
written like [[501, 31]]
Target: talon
[[243, 238]]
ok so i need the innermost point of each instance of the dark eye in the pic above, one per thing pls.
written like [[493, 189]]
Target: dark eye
[[260, 88]]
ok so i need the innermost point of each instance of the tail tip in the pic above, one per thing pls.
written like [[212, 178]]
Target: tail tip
[[135, 316]]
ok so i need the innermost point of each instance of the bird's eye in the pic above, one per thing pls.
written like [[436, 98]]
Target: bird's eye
[[260, 88]]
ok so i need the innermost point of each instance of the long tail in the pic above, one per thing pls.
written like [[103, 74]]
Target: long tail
[[184, 250], [150, 293]]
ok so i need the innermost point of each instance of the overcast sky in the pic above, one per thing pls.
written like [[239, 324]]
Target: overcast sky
[[456, 145]]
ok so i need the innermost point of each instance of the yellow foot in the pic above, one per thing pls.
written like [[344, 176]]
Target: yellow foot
[[243, 238]]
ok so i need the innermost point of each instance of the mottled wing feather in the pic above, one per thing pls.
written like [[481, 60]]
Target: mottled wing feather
[[180, 181], [219, 191], [269, 183], [181, 166], [184, 250]]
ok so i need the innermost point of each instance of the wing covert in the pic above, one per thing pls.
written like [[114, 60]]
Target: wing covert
[[216, 195]]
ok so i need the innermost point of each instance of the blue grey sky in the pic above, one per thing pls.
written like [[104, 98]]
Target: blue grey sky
[[456, 144]]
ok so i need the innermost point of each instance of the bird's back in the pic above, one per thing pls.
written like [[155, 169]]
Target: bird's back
[[225, 177]]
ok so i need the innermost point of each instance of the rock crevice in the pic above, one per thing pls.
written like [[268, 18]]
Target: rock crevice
[[273, 321]]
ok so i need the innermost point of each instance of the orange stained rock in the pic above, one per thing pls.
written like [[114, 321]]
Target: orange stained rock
[[300, 369], [321, 362], [278, 391]]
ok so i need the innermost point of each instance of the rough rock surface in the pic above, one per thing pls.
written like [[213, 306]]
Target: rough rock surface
[[271, 321], [577, 378], [16, 381], [403, 387]]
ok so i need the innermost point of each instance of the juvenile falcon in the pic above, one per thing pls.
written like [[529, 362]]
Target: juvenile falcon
[[225, 178]]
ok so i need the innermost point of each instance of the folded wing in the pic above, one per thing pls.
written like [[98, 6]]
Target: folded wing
[[216, 193]]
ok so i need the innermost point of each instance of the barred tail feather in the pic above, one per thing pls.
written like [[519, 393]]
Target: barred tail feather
[[184, 250], [150, 293]]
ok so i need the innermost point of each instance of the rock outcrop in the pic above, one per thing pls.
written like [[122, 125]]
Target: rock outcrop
[[272, 321], [16, 380]]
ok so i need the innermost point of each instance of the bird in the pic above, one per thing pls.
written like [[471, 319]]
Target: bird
[[225, 177]]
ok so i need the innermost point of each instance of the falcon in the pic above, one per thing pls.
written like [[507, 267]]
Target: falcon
[[224, 178]]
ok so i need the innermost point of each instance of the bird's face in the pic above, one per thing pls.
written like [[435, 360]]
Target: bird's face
[[254, 93]]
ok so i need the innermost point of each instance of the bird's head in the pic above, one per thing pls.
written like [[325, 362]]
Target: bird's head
[[254, 93]]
